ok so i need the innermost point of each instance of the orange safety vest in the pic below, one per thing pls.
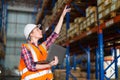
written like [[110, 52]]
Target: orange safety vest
[[41, 74]]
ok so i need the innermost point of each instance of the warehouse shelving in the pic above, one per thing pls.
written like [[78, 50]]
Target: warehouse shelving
[[83, 41], [95, 29], [101, 27]]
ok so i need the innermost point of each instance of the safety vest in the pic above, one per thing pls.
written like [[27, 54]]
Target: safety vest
[[37, 55]]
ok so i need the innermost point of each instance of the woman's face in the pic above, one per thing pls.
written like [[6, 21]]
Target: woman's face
[[37, 33]]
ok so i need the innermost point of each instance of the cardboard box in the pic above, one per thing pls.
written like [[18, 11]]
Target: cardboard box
[[114, 1], [93, 9], [88, 21], [88, 11], [101, 8], [76, 20], [81, 27], [107, 3], [101, 15], [115, 5], [99, 2], [84, 24], [93, 18], [118, 4], [76, 29], [81, 19], [107, 11]]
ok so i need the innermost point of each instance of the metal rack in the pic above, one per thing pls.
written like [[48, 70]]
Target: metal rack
[[96, 31], [99, 52]]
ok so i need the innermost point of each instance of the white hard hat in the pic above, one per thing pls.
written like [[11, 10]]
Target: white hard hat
[[28, 29]]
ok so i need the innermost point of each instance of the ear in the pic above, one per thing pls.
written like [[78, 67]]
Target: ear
[[31, 34]]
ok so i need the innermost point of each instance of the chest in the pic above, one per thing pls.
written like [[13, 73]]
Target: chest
[[38, 53]]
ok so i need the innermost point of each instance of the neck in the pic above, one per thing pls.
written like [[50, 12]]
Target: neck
[[35, 41]]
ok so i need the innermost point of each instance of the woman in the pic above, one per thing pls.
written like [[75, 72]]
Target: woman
[[32, 52]]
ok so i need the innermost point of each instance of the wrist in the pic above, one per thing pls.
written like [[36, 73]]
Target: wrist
[[50, 65]]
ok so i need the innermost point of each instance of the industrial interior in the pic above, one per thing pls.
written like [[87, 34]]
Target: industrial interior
[[90, 33]]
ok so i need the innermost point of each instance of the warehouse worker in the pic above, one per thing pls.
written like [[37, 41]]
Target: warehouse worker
[[32, 52]]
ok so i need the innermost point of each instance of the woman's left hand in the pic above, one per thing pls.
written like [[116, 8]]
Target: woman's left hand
[[54, 62]]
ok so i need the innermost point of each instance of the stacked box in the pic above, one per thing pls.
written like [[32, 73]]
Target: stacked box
[[88, 11], [92, 9], [99, 2], [93, 18], [81, 27], [73, 30], [76, 72], [93, 15], [114, 1], [80, 22], [104, 8], [101, 8], [70, 30], [59, 74], [76, 20], [88, 21], [101, 15], [84, 24], [115, 5], [76, 30], [81, 19], [107, 3], [107, 11]]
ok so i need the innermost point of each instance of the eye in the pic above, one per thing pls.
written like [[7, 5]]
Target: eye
[[40, 28]]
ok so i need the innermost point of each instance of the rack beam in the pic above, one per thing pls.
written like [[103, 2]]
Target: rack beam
[[95, 29]]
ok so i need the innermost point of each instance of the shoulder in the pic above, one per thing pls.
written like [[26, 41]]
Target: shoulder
[[24, 46], [43, 45]]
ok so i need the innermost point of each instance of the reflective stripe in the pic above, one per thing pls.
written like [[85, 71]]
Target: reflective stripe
[[43, 45], [33, 53], [23, 71], [32, 76]]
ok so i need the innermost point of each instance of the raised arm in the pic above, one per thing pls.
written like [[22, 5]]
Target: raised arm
[[54, 35], [60, 22]]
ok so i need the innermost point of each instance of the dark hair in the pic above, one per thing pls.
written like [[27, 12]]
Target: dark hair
[[28, 39]]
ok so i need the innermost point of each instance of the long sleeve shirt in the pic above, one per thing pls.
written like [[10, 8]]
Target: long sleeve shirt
[[27, 56]]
